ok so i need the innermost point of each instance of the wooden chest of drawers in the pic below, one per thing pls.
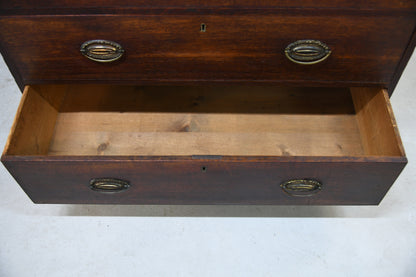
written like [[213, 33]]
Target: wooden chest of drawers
[[227, 102]]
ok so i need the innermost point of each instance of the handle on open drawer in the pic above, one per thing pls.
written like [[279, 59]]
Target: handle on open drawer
[[102, 50], [301, 187], [108, 185], [307, 51]]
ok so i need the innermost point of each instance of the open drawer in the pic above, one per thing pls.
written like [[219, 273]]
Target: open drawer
[[204, 145]]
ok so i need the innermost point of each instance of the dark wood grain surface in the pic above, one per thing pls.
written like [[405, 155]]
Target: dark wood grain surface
[[371, 42], [366, 50], [226, 180], [113, 6], [403, 62]]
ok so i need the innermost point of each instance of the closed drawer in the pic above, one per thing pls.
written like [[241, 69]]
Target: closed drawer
[[204, 145], [239, 48]]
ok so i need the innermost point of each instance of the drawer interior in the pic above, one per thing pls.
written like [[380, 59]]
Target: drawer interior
[[202, 120]]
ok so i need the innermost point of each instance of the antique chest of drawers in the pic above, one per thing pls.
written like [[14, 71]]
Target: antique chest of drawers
[[206, 102]]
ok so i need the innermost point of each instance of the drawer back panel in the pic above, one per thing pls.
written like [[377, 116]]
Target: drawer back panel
[[245, 48]]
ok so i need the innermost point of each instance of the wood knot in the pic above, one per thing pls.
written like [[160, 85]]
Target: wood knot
[[184, 128], [283, 148], [102, 147]]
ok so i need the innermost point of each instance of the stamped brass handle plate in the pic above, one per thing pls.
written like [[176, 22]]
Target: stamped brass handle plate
[[307, 51], [108, 185], [301, 187], [102, 50]]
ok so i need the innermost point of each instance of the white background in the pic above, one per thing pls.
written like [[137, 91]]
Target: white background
[[89, 240]]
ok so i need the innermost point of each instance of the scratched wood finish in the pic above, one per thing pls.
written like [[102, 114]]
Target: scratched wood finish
[[366, 49]]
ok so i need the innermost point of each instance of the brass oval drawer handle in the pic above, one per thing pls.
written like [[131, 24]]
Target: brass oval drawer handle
[[307, 51], [108, 185], [102, 50], [301, 187]]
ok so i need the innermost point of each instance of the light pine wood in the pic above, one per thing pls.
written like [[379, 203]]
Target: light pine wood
[[203, 122], [15, 121], [205, 134], [376, 122], [232, 120], [33, 127], [238, 121]]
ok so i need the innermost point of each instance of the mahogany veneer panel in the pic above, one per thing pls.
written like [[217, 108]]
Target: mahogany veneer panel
[[365, 49], [180, 180]]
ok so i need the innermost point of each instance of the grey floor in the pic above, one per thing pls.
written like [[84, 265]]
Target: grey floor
[[87, 240]]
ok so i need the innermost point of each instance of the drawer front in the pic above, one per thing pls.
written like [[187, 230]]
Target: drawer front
[[188, 181], [365, 49]]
